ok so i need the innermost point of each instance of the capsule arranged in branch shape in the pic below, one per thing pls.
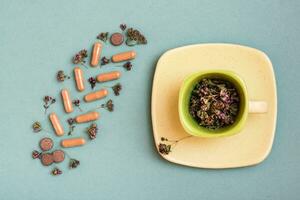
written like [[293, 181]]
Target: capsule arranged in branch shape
[[56, 124], [109, 76], [96, 95], [87, 117], [67, 100], [73, 142], [120, 57], [97, 48], [78, 74]]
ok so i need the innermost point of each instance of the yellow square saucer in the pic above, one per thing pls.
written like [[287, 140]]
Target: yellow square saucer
[[253, 144]]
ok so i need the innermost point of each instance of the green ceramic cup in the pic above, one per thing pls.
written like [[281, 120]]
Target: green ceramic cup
[[193, 128]]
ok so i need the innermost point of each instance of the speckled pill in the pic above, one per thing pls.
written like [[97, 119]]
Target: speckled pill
[[78, 73], [97, 48], [128, 55], [67, 100], [73, 142], [109, 76], [87, 117], [96, 95]]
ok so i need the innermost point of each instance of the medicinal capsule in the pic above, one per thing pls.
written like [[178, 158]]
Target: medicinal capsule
[[73, 142], [96, 95], [108, 76], [78, 73], [56, 124], [91, 116], [66, 100], [128, 55], [97, 48]]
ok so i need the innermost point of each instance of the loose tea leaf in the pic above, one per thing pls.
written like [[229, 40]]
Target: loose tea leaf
[[117, 88], [92, 131], [123, 27], [36, 154], [92, 82], [166, 146], [37, 127], [109, 105], [61, 76], [80, 57], [127, 66], [214, 103], [135, 37], [103, 36], [48, 100], [56, 172], [74, 163], [76, 103], [71, 122], [104, 61]]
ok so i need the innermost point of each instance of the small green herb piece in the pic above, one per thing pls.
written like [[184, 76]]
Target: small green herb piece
[[61, 76], [109, 105], [117, 88], [48, 100], [74, 163], [56, 172], [80, 57], [135, 37], [71, 122], [92, 131], [103, 36]]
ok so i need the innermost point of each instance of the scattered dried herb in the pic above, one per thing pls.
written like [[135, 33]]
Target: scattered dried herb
[[92, 131], [56, 172], [37, 127], [76, 103], [135, 37], [127, 65], [117, 88], [71, 122], [48, 100], [36, 154], [214, 103], [103, 36], [61, 76], [92, 82], [123, 27], [109, 105], [74, 163], [166, 146], [80, 57], [104, 61]]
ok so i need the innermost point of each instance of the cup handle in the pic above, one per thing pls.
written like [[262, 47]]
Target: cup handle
[[258, 107]]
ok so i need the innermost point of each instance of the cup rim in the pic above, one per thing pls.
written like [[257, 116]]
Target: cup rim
[[190, 125]]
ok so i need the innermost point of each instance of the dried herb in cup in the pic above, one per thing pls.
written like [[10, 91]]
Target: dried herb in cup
[[214, 103]]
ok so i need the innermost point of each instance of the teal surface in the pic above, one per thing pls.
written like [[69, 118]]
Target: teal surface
[[37, 38]]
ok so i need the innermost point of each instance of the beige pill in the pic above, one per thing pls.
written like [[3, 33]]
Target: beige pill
[[79, 78], [128, 55], [67, 100], [91, 116], [108, 76], [73, 142], [96, 95], [96, 54], [56, 124]]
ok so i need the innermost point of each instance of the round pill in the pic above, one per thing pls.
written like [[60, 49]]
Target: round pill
[[46, 159], [116, 39], [46, 144], [58, 156]]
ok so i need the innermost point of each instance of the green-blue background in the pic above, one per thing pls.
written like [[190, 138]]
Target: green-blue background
[[37, 38]]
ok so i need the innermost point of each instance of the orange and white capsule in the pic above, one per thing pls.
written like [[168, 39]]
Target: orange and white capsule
[[87, 117], [128, 55], [96, 95], [73, 142], [97, 48], [56, 124], [78, 73], [67, 100], [108, 76]]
